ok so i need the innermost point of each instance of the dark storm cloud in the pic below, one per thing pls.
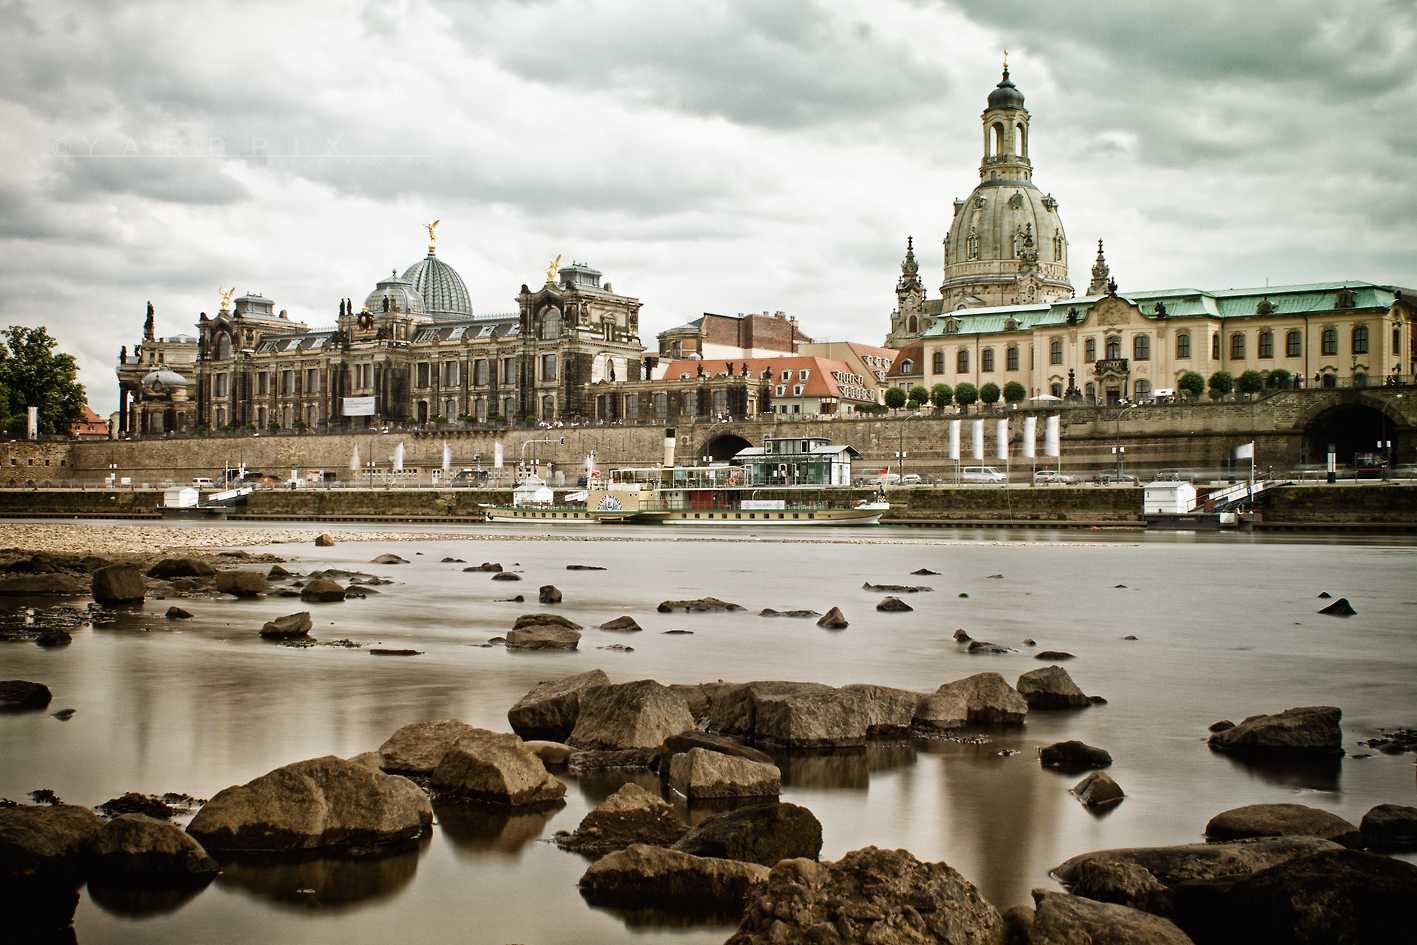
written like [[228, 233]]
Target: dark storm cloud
[[772, 63]]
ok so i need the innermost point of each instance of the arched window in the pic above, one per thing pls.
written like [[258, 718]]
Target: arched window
[[1022, 134], [1090, 391], [450, 409], [906, 367], [1089, 350], [986, 359], [285, 420], [972, 245], [661, 406], [1360, 380], [911, 325], [423, 411], [1293, 345], [509, 408], [1057, 390], [1011, 359], [1397, 342], [1237, 347], [1055, 352], [1360, 341], [1331, 380], [261, 417], [937, 362], [720, 402], [1215, 347], [1141, 348], [962, 361], [548, 408], [1183, 345], [551, 324], [1114, 348], [223, 347], [1265, 347], [999, 140], [221, 417], [1328, 341], [1141, 390], [479, 409]]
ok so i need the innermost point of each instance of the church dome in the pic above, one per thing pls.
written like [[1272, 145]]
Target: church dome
[[1006, 94], [166, 378], [400, 293], [443, 291]]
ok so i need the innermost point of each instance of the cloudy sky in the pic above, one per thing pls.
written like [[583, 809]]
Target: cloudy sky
[[706, 155]]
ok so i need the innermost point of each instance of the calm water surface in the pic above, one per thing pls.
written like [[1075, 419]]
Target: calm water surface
[[1226, 628]]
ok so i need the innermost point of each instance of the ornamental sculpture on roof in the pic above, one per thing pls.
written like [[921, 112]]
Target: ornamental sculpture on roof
[[553, 269], [226, 295], [430, 227]]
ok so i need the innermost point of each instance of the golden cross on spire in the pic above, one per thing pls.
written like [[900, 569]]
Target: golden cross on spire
[[1006, 60]]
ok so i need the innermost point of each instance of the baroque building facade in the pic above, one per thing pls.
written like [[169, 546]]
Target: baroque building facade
[[1006, 244], [413, 349]]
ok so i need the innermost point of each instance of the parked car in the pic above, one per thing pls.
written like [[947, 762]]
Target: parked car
[[255, 480], [1175, 475], [468, 478], [885, 479], [202, 482], [910, 479], [1107, 478], [1046, 476], [982, 474]]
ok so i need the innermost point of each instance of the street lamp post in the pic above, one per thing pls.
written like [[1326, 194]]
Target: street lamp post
[[1387, 464], [1118, 443]]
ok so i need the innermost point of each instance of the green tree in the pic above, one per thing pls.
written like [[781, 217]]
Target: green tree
[[919, 396], [1250, 382], [895, 398], [1191, 384], [1014, 392], [966, 394], [941, 395], [1279, 377], [989, 393], [33, 375], [273, 426], [1220, 384]]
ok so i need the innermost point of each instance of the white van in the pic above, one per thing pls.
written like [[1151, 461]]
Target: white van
[[982, 474], [201, 482]]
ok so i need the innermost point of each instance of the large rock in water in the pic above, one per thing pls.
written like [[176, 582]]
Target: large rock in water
[[889, 712], [1124, 884], [321, 591], [639, 714], [543, 636], [1060, 919], [42, 863], [417, 748], [1074, 756], [1339, 897], [878, 896], [1390, 827], [1306, 730], [288, 627], [645, 876], [1051, 688], [833, 619], [322, 802], [134, 848], [630, 815], [118, 584], [988, 698], [698, 774], [765, 834], [1198, 861], [1098, 790], [169, 568], [687, 741], [240, 583], [20, 694], [810, 715], [946, 709], [496, 767], [1282, 820], [38, 585], [549, 711]]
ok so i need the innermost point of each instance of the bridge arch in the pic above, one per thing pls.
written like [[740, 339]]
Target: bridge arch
[[1356, 424], [724, 447]]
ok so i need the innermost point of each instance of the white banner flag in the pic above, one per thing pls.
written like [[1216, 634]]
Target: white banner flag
[[1245, 452], [1001, 439], [398, 458], [1030, 436], [978, 443], [447, 459], [954, 440], [497, 454], [354, 459], [1050, 436]]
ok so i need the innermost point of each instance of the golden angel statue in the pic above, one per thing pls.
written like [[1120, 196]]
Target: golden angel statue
[[432, 237], [553, 269], [226, 295]]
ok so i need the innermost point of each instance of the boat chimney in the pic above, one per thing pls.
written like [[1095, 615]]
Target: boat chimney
[[668, 447]]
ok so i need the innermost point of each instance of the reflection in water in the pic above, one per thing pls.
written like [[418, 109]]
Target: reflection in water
[[848, 769], [663, 919], [1292, 771], [326, 881], [474, 828], [595, 786], [150, 899]]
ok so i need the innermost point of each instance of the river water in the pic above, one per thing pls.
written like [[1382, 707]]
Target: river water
[[1226, 627]]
